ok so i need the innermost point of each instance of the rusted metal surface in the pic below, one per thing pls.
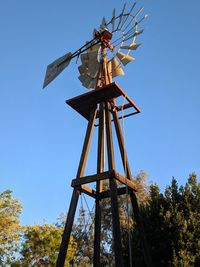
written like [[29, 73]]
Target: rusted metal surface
[[88, 191], [139, 222], [99, 187], [107, 193], [113, 191], [125, 181], [103, 176], [92, 178], [83, 103], [76, 192]]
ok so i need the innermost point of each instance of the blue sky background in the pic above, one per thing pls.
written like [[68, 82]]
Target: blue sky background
[[41, 137]]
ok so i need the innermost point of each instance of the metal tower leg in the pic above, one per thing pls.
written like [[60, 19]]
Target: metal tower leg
[[100, 168], [133, 197], [75, 196], [113, 192]]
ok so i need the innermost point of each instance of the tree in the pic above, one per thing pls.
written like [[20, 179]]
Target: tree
[[10, 209], [172, 225], [171, 221], [40, 245], [83, 233]]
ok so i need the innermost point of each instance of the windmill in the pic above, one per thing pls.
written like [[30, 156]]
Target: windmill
[[102, 59]]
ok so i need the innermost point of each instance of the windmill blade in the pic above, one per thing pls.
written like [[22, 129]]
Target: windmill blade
[[94, 31], [133, 19], [134, 4], [93, 68], [133, 35], [116, 68], [93, 55], [124, 58], [128, 15], [103, 24], [132, 46], [139, 11], [91, 84], [84, 59], [82, 69], [130, 32], [94, 48], [83, 78], [93, 64], [87, 81], [136, 25], [90, 65], [120, 17], [113, 20], [55, 68]]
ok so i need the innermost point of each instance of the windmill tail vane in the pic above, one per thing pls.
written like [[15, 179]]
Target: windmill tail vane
[[113, 36]]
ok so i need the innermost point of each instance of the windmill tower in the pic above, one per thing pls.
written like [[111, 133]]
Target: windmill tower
[[101, 61]]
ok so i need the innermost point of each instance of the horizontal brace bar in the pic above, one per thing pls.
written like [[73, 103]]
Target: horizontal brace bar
[[88, 191], [92, 178], [119, 108], [125, 181], [106, 194], [128, 115], [125, 116]]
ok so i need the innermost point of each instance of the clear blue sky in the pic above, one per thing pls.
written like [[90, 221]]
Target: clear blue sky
[[41, 137]]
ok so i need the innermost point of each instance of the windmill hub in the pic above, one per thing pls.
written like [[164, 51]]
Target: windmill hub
[[104, 37]]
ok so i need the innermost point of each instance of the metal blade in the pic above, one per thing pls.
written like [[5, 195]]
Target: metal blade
[[139, 11], [124, 58], [84, 59], [55, 68], [120, 18], [93, 68], [136, 25], [113, 20], [103, 24], [132, 8], [116, 69], [82, 69], [93, 64], [83, 77], [127, 18], [89, 83], [132, 46], [92, 57], [94, 31], [133, 35], [133, 19], [94, 48]]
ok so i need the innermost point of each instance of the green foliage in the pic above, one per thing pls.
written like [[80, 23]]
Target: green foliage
[[171, 221], [10, 209], [41, 243], [172, 225], [83, 230]]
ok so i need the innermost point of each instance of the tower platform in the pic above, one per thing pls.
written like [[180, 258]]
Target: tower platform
[[84, 103]]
